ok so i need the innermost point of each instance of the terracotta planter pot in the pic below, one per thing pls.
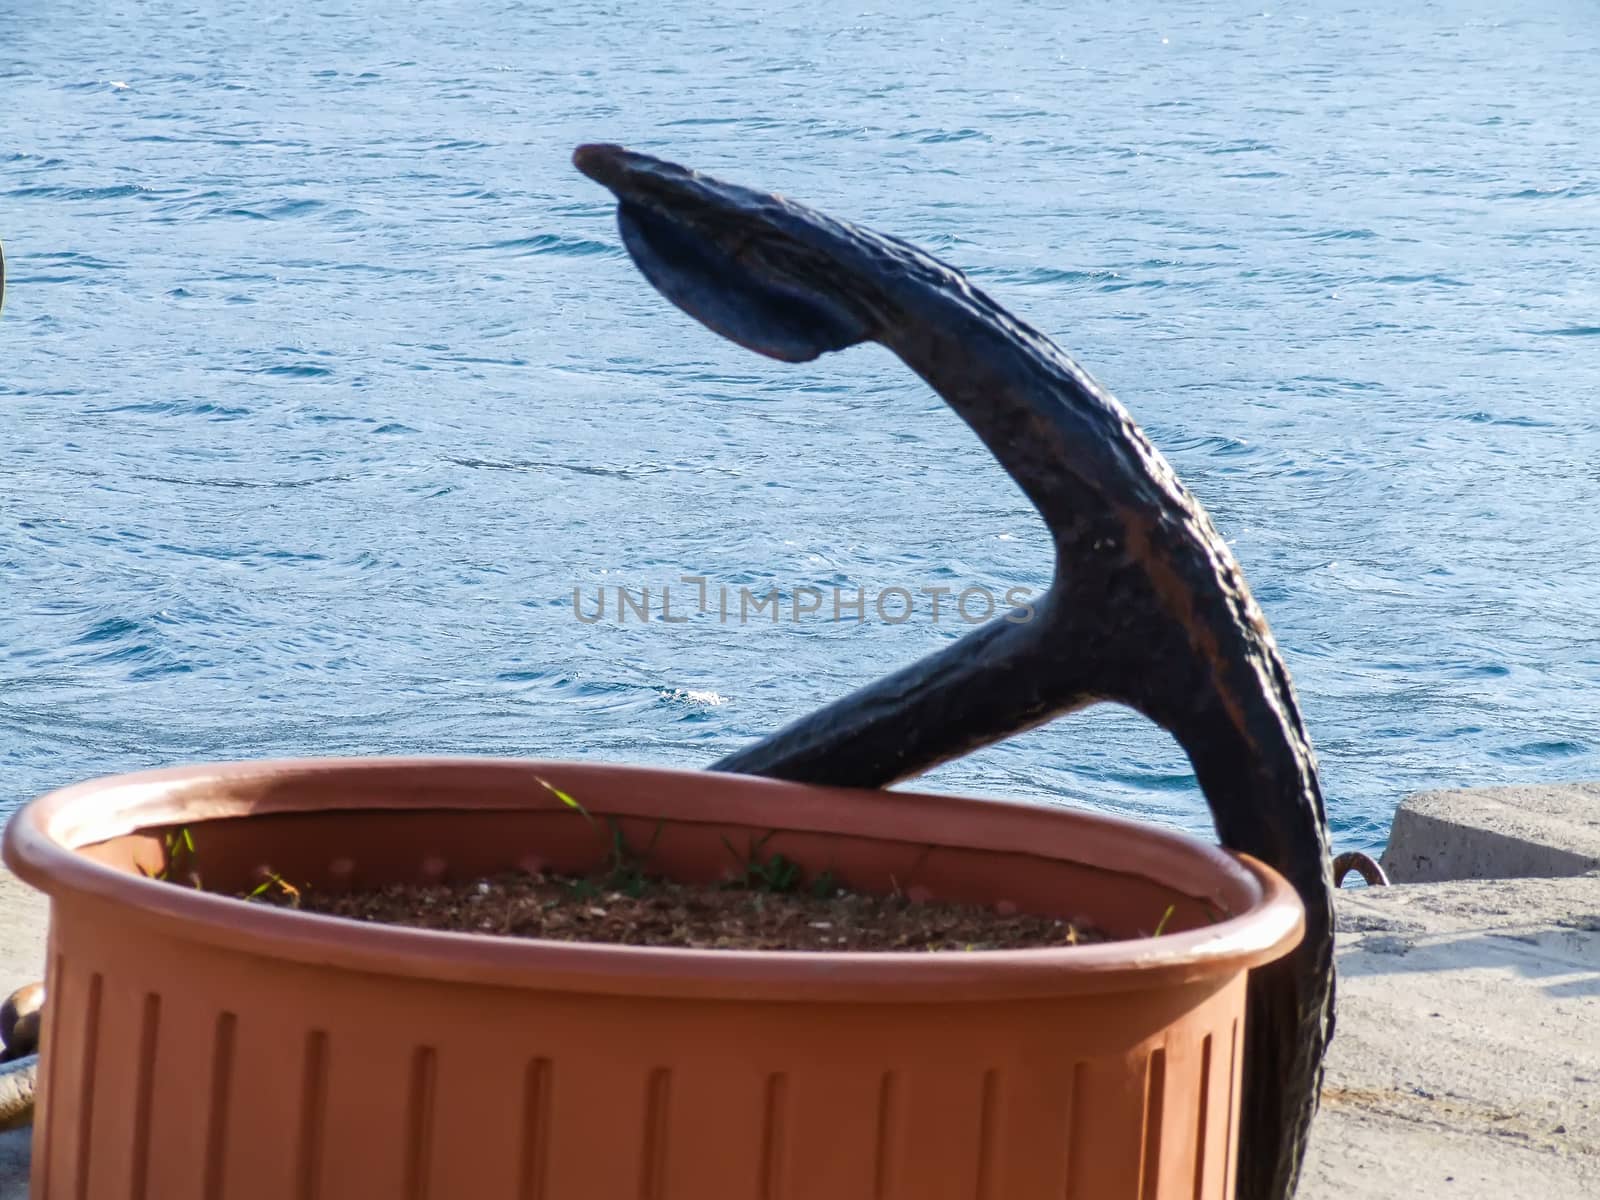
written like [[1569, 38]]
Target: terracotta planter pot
[[200, 1047]]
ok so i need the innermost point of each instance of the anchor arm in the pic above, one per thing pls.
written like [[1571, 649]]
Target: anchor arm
[[938, 708]]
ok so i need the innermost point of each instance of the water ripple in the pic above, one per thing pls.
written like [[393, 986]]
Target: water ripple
[[326, 378]]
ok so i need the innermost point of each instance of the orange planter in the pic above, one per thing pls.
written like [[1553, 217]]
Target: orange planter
[[200, 1047]]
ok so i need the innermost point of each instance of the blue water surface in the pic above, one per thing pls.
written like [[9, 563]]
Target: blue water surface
[[323, 379]]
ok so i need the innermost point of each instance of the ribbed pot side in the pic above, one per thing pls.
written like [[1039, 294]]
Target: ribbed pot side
[[200, 1047]]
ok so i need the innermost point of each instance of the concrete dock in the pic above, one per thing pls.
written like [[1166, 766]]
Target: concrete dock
[[1466, 1062]]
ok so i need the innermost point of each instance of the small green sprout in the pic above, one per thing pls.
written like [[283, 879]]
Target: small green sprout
[[274, 880], [777, 873], [627, 874], [179, 847], [1161, 926], [569, 801]]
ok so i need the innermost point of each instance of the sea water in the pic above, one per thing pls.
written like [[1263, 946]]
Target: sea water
[[324, 381]]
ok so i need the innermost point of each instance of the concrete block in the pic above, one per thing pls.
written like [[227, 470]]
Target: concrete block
[[1527, 832]]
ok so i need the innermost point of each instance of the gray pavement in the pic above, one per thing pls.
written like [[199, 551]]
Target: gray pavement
[[1467, 1057]]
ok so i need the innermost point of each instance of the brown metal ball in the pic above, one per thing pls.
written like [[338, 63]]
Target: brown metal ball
[[26, 1001]]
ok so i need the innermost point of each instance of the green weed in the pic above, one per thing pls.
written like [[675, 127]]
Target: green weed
[[1161, 925], [776, 873], [625, 864], [180, 858]]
